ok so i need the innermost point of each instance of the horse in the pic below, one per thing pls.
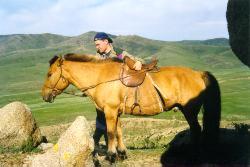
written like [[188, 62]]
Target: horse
[[180, 87]]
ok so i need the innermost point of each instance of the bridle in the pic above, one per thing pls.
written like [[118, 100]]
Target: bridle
[[54, 89]]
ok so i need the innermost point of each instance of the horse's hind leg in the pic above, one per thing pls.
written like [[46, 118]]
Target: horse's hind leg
[[121, 148], [191, 114]]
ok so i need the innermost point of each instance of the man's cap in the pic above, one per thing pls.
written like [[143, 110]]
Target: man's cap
[[101, 36]]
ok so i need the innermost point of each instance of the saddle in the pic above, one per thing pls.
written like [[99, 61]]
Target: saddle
[[132, 78]]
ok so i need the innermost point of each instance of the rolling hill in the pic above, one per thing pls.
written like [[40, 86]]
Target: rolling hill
[[24, 63]]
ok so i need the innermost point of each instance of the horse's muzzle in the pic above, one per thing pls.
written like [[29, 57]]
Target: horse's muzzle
[[49, 98]]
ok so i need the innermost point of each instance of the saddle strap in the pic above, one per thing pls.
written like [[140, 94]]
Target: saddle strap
[[125, 101], [136, 103]]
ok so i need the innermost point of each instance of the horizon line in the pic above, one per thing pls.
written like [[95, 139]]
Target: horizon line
[[72, 36]]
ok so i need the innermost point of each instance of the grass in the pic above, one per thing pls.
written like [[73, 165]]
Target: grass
[[26, 147], [63, 110]]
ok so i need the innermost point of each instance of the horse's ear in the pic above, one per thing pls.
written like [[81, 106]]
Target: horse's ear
[[53, 60]]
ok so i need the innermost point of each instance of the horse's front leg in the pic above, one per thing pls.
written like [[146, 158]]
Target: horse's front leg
[[111, 121], [121, 148]]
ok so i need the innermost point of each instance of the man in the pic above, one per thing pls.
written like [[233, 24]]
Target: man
[[104, 48]]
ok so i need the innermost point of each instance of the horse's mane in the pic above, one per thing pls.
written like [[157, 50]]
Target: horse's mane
[[80, 57], [84, 58]]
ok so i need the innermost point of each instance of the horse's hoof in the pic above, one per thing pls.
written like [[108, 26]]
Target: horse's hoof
[[111, 157], [95, 159], [96, 162], [122, 155]]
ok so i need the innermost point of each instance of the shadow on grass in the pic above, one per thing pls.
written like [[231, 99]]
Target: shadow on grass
[[233, 149]]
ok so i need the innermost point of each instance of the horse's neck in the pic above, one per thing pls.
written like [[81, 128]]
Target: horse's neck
[[87, 74]]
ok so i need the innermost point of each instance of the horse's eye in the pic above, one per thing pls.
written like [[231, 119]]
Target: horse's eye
[[49, 75]]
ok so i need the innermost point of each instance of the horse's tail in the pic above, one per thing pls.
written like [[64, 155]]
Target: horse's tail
[[212, 109]]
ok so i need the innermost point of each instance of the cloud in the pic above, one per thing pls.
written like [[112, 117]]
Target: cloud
[[159, 19]]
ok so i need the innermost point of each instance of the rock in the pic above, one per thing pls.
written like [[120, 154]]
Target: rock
[[18, 127], [45, 146], [72, 149]]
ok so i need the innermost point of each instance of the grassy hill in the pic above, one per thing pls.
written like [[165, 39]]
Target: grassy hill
[[10, 43], [214, 42], [24, 63]]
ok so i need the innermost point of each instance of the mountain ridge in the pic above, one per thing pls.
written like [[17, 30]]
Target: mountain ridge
[[32, 41]]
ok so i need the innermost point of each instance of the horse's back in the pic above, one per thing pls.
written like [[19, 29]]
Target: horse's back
[[178, 84], [170, 70]]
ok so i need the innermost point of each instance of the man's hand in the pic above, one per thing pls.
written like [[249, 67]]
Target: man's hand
[[137, 66]]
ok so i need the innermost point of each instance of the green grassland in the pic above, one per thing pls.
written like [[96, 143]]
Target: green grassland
[[24, 64]]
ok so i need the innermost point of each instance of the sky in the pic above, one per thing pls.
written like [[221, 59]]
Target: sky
[[169, 20]]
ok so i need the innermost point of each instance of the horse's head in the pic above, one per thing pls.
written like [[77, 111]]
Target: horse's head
[[55, 81]]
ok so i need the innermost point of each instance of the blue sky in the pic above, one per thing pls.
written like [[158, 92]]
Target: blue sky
[[168, 20]]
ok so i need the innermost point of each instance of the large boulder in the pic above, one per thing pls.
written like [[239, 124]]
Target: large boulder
[[72, 149], [17, 126]]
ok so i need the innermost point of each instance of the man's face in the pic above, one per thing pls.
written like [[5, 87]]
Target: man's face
[[101, 45]]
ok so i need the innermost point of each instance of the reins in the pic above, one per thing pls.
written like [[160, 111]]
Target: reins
[[93, 86], [113, 80], [84, 89]]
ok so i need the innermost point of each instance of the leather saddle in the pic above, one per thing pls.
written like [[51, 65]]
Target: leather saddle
[[132, 78]]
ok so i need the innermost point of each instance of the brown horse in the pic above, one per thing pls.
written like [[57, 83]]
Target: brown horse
[[161, 91]]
